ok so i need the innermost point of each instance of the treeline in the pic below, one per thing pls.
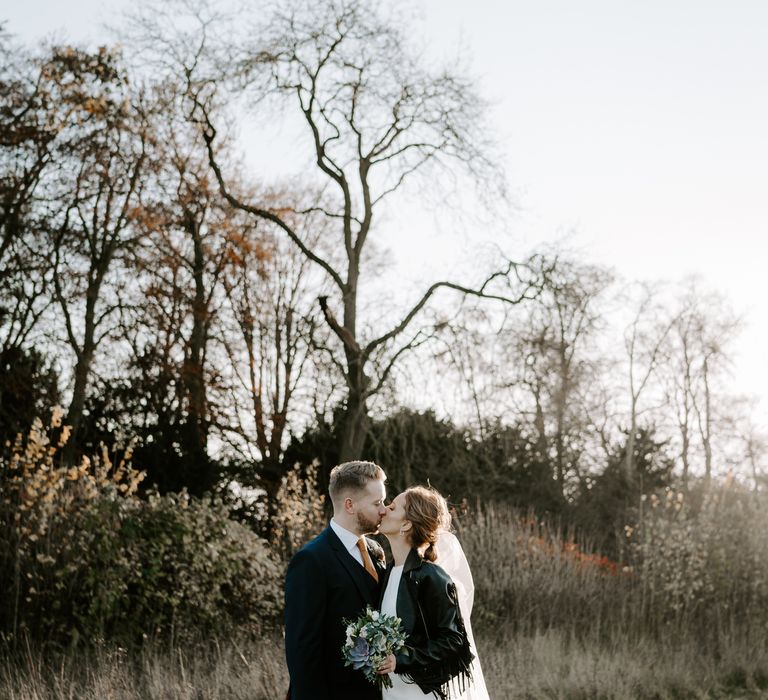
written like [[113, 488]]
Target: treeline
[[180, 303]]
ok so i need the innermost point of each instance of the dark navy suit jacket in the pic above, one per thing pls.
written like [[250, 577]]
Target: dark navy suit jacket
[[325, 585]]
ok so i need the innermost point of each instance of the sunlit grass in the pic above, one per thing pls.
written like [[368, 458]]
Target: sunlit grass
[[547, 665], [551, 664], [219, 670]]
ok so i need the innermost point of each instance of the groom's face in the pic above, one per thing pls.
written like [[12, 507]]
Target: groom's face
[[370, 508]]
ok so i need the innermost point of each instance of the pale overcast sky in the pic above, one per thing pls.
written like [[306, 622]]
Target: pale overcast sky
[[641, 125]]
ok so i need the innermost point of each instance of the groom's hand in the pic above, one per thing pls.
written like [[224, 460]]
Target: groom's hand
[[387, 666]]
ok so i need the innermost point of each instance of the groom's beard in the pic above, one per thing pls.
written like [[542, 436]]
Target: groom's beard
[[366, 526]]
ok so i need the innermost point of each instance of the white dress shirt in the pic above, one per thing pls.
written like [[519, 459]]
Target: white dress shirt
[[349, 540]]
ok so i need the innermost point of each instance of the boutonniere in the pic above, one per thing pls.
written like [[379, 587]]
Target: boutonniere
[[378, 552]]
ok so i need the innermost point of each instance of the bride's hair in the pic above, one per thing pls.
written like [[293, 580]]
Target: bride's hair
[[428, 514]]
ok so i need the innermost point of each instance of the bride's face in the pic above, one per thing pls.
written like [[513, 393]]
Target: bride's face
[[394, 521]]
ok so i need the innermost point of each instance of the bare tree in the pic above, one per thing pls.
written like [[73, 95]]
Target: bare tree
[[33, 139], [574, 317], [98, 194], [697, 363], [682, 387], [644, 342], [269, 294], [27, 137], [714, 328], [193, 243], [376, 120], [465, 346], [754, 442], [556, 361]]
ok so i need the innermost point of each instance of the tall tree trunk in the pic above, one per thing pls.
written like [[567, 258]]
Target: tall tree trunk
[[77, 404], [354, 429], [194, 370], [629, 457], [560, 457], [685, 454], [541, 428], [685, 423], [356, 423], [562, 400], [82, 368], [706, 433]]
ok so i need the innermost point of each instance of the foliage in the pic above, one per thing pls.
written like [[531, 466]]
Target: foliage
[[28, 384], [609, 501], [148, 406], [702, 557], [552, 619], [196, 570], [83, 557], [320, 441], [512, 469], [300, 513], [416, 447]]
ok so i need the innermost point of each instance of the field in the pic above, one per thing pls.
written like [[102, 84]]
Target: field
[[552, 621], [548, 665]]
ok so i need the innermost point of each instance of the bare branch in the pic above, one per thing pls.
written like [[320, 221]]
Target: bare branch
[[531, 289], [209, 135]]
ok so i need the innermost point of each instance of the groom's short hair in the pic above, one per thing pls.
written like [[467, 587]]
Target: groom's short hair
[[353, 476]]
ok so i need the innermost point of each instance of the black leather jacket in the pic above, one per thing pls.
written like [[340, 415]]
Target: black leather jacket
[[437, 647]]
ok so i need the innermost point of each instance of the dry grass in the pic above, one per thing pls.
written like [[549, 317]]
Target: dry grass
[[544, 666], [553, 666], [253, 671]]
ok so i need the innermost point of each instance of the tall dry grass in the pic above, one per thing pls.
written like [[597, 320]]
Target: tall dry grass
[[228, 670], [697, 566], [544, 665], [532, 576]]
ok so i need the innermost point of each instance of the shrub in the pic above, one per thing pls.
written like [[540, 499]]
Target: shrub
[[702, 558], [81, 556], [196, 570], [44, 507], [300, 512]]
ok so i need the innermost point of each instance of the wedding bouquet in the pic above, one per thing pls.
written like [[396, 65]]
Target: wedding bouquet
[[370, 640]]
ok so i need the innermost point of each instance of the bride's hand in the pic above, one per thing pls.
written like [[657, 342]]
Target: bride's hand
[[387, 666]]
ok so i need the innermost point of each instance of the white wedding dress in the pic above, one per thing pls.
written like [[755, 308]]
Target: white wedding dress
[[451, 557]]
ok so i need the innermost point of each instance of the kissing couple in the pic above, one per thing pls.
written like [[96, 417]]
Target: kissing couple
[[428, 585]]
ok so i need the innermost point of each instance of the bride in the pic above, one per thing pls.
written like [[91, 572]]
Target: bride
[[433, 606]]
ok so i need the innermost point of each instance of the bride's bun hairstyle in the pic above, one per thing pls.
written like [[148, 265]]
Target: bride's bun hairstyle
[[428, 514]]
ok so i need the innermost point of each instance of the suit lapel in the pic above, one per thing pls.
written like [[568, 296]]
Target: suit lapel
[[357, 572]]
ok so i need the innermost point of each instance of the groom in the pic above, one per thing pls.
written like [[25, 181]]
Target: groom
[[335, 577]]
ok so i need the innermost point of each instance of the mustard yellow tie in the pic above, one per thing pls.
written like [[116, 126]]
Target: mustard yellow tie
[[367, 563]]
